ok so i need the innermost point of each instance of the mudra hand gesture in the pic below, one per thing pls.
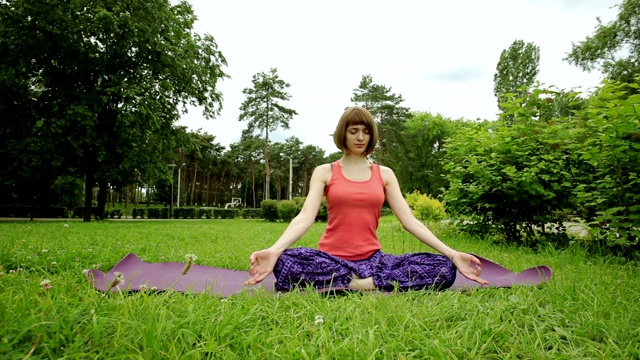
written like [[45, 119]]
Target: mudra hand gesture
[[469, 266], [262, 264]]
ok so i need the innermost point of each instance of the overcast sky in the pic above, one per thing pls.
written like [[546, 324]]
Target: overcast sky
[[440, 55]]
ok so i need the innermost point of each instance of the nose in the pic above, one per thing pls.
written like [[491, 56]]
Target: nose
[[360, 135]]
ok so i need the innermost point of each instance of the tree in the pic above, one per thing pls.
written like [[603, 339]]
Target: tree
[[421, 165], [614, 48], [386, 108], [263, 111], [100, 84], [516, 71]]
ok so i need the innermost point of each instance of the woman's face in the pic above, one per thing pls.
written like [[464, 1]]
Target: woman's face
[[357, 139]]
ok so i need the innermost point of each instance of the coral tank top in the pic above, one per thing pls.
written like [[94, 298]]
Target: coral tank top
[[353, 209]]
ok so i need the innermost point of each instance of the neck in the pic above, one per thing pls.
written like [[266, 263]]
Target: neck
[[353, 159]]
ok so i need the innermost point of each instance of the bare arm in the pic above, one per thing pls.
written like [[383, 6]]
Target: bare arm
[[464, 262], [303, 221], [263, 261]]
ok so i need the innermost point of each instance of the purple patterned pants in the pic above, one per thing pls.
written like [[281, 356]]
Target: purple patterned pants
[[300, 267]]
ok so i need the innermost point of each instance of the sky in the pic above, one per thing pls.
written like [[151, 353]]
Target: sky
[[440, 55]]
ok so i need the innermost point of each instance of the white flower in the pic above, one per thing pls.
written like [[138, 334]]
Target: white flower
[[117, 279], [46, 284], [191, 258], [319, 320], [53, 263], [66, 225], [85, 272], [45, 250], [144, 287]]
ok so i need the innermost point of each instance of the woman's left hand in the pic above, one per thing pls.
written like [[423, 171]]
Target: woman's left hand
[[469, 266]]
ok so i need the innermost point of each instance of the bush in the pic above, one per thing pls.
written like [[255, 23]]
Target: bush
[[154, 213], [113, 213], [138, 212], [207, 213], [322, 215], [248, 213], [425, 208], [230, 213], [269, 210], [164, 213], [287, 210]]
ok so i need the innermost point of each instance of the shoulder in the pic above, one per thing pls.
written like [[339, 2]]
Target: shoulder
[[387, 174], [322, 172]]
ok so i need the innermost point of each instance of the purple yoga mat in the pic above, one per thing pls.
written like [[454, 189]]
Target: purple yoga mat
[[224, 282]]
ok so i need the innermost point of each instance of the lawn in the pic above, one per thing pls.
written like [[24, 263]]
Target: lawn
[[589, 310]]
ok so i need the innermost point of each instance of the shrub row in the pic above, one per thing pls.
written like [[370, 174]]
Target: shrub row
[[34, 211]]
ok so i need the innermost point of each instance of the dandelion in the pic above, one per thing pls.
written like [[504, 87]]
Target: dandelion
[[19, 270], [66, 225], [144, 287], [45, 250], [190, 258], [319, 320], [85, 272], [1, 274], [46, 284], [96, 266], [154, 288], [11, 271], [117, 279], [53, 263]]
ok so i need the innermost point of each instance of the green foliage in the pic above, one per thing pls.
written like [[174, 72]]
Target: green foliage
[[516, 71], [264, 111], [513, 180], [249, 213], [613, 47], [225, 213], [420, 166], [97, 86], [609, 152], [323, 214], [138, 213], [424, 207], [269, 210], [115, 213], [386, 107], [521, 180], [206, 213], [154, 213], [287, 210], [186, 213]]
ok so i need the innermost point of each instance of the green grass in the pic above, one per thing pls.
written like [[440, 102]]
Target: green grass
[[589, 310]]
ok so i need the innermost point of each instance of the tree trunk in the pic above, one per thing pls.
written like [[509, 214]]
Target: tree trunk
[[102, 199], [88, 196], [193, 181]]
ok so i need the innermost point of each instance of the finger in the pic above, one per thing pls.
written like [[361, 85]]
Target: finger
[[476, 261], [479, 280]]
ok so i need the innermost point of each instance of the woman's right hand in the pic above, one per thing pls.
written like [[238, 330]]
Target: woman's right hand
[[262, 264]]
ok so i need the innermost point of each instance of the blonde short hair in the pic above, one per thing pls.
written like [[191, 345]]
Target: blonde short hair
[[356, 115]]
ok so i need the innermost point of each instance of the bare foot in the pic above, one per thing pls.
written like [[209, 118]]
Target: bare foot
[[360, 284]]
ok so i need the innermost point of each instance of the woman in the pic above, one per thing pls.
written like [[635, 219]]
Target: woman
[[348, 254]]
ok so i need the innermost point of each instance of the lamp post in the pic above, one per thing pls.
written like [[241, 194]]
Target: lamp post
[[180, 168], [290, 173], [172, 166]]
